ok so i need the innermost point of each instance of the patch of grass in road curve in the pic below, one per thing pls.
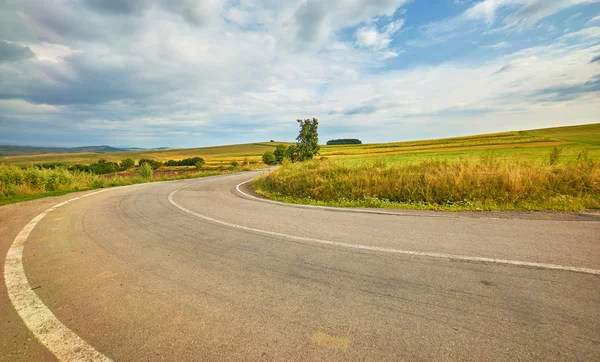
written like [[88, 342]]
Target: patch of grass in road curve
[[463, 184]]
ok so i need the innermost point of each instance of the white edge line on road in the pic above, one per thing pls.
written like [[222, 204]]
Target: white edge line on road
[[385, 250], [52, 333], [367, 211], [58, 338], [344, 209]]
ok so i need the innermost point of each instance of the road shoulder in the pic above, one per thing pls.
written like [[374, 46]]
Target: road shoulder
[[17, 342]]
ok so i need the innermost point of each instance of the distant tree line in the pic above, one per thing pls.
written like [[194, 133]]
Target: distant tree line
[[185, 162], [344, 141], [102, 166]]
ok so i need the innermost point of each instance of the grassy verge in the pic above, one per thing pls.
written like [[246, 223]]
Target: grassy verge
[[18, 184], [465, 184], [19, 198]]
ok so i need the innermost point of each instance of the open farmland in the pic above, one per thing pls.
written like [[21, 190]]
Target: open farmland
[[516, 150], [531, 145], [212, 155], [504, 171]]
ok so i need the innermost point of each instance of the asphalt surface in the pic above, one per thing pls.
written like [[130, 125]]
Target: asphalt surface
[[137, 278]]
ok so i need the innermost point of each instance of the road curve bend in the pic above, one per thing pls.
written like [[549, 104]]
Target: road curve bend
[[200, 270]]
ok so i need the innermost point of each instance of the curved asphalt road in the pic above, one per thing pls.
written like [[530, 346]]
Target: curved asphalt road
[[138, 278]]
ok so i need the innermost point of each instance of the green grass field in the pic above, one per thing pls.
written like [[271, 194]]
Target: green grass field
[[364, 175], [503, 171], [532, 145]]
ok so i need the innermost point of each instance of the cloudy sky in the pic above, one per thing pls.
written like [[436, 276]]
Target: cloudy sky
[[185, 73]]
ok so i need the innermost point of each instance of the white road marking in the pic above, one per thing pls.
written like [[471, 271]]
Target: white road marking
[[385, 250], [67, 346], [345, 209], [367, 211], [58, 338]]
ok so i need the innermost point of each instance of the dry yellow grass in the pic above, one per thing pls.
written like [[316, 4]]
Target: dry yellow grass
[[483, 184]]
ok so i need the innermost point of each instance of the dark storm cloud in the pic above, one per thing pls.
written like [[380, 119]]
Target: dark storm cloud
[[126, 7], [189, 10], [505, 68], [193, 12], [86, 83], [367, 109], [12, 52], [315, 20], [571, 92], [309, 21]]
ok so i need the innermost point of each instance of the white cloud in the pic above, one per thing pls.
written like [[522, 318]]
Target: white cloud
[[393, 26], [519, 96], [587, 33], [529, 11], [370, 37], [500, 45], [523, 14], [51, 52], [253, 67], [312, 23]]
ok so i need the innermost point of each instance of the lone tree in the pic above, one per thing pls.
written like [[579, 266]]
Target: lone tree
[[308, 140]]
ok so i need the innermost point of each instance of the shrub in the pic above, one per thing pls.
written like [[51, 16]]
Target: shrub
[[269, 158], [98, 182], [190, 161], [126, 164], [50, 166], [146, 171], [34, 177], [61, 178], [292, 153], [11, 175], [185, 162], [103, 167], [153, 163], [280, 153], [99, 168], [234, 164], [199, 164]]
